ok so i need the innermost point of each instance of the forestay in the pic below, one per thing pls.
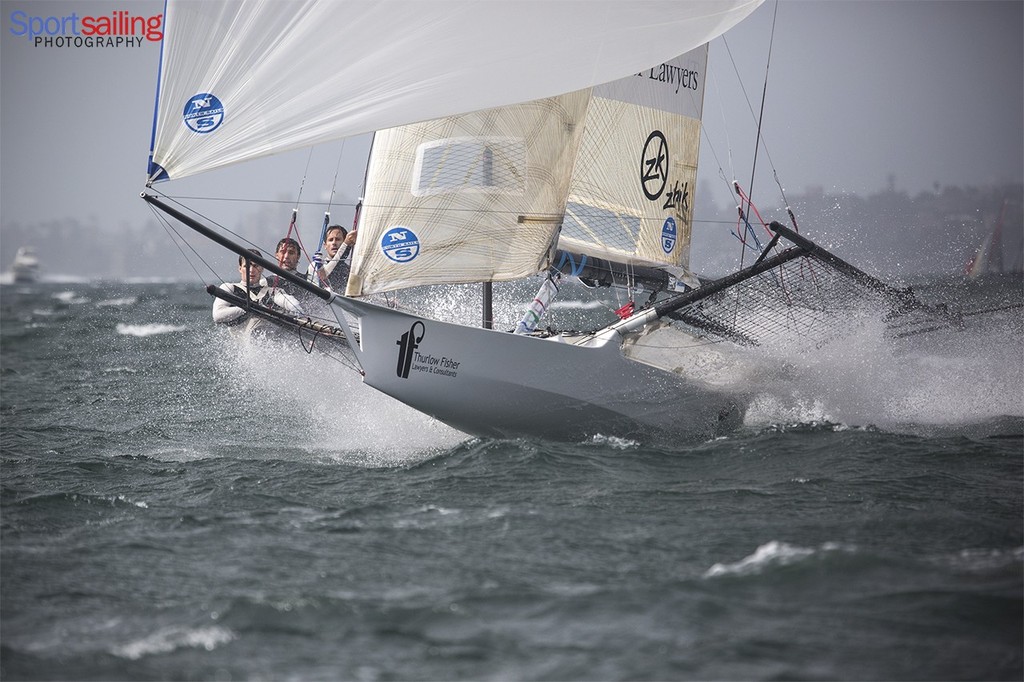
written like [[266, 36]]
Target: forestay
[[242, 79]]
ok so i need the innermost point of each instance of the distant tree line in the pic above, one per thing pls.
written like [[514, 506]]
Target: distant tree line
[[889, 233]]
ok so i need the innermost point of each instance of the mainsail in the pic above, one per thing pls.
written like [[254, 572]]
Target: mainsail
[[242, 79], [639, 213], [484, 196]]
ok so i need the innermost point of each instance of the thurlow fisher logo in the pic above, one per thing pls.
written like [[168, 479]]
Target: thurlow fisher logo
[[203, 113], [411, 360], [119, 28], [407, 346]]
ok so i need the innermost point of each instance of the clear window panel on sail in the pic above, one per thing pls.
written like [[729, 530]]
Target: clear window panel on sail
[[614, 230], [468, 164]]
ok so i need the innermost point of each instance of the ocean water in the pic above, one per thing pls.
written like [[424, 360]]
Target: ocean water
[[178, 506]]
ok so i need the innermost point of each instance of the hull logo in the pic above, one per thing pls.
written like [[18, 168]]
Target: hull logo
[[407, 346]]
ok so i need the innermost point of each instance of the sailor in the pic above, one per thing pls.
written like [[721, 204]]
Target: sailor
[[333, 274], [253, 286], [287, 254]]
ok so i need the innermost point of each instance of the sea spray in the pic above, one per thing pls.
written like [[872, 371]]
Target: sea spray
[[942, 378], [323, 398]]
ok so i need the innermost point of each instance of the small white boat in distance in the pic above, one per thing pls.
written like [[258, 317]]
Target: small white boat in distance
[[26, 266]]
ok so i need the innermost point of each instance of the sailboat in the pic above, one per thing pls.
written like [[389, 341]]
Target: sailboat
[[25, 268], [994, 256], [533, 142]]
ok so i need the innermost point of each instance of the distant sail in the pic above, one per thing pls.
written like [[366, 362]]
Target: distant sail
[[1002, 250]]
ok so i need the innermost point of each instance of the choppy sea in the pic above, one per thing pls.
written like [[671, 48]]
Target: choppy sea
[[177, 506]]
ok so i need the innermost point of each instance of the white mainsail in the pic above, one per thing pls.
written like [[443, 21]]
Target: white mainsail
[[639, 212], [470, 198], [483, 196], [242, 79]]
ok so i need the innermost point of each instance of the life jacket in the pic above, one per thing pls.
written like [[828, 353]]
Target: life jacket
[[254, 295]]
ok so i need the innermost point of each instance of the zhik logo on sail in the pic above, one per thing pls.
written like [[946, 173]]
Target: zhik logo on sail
[[407, 346]]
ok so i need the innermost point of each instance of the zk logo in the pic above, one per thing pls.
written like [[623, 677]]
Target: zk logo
[[407, 346], [654, 165], [400, 244], [203, 113]]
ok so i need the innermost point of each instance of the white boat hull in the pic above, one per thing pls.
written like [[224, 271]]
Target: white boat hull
[[25, 268], [501, 385]]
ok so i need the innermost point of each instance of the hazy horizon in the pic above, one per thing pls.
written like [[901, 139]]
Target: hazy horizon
[[860, 96]]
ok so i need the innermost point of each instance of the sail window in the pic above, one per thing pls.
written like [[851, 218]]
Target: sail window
[[603, 226], [470, 164]]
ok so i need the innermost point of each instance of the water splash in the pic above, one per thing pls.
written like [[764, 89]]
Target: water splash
[[328, 411], [946, 378]]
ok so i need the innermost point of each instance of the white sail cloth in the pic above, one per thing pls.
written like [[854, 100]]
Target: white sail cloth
[[242, 79], [483, 196]]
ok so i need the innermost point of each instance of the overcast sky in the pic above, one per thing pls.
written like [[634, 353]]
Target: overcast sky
[[928, 91]]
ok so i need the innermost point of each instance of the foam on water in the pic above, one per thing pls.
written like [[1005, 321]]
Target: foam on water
[[170, 639], [772, 553], [70, 298]]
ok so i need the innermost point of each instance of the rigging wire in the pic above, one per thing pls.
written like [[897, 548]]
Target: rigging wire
[[764, 96], [728, 141], [745, 203], [178, 240], [337, 169], [761, 142], [302, 183]]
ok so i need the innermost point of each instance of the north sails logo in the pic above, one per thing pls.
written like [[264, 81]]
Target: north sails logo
[[407, 346], [654, 165], [400, 244], [203, 113], [668, 235]]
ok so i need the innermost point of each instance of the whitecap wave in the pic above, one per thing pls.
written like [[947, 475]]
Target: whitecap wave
[[148, 329], [614, 442], [130, 300], [70, 297], [169, 639], [772, 553]]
